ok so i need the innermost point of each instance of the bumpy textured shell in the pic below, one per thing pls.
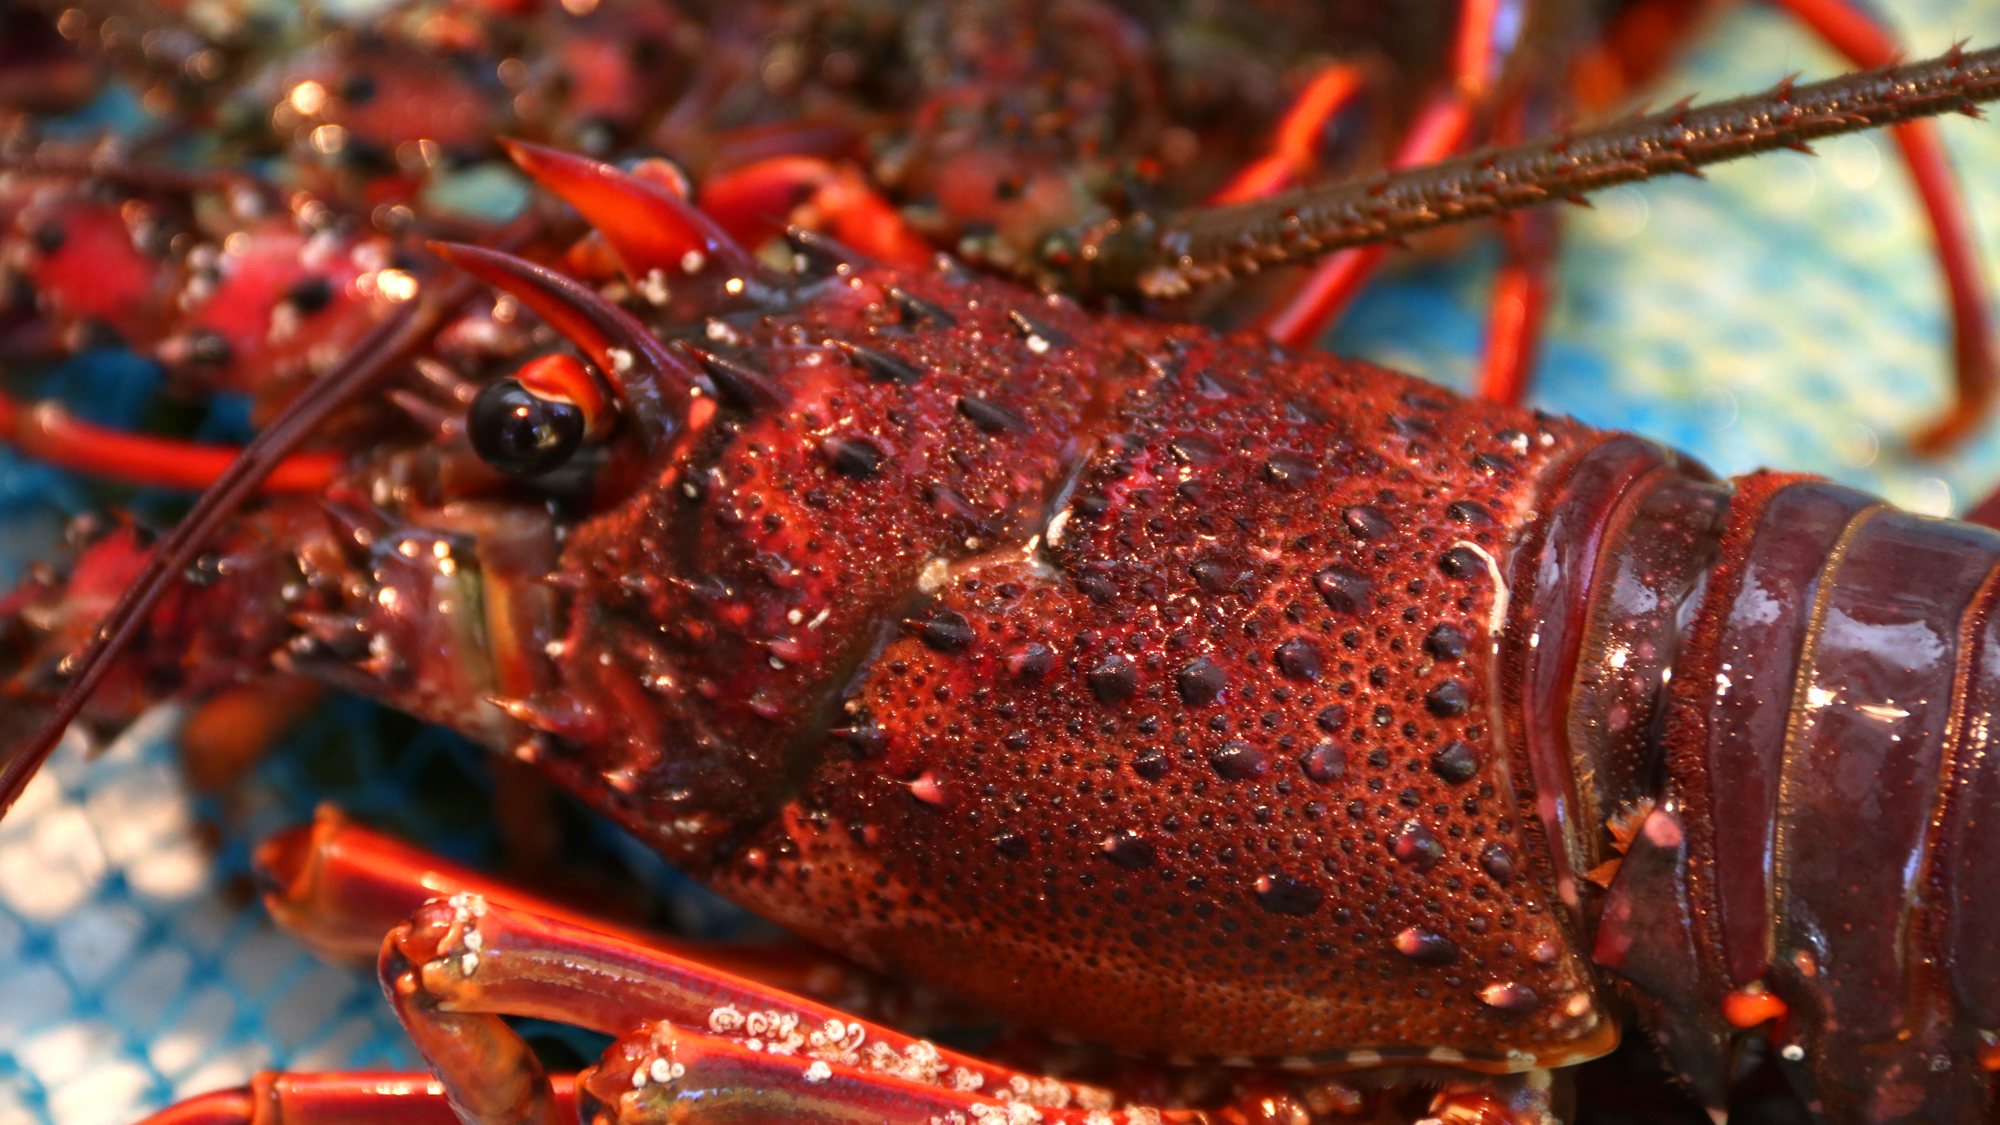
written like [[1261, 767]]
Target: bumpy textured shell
[[1133, 682]]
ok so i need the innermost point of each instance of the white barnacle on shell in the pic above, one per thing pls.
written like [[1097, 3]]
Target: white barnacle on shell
[[1096, 1099], [725, 1019], [933, 576]]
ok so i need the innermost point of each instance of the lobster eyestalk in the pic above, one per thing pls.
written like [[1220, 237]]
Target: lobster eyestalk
[[1167, 258]]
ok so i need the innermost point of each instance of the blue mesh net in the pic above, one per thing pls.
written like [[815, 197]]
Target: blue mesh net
[[136, 967]]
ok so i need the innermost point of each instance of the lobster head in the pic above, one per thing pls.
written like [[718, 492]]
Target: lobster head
[[1136, 683], [991, 641]]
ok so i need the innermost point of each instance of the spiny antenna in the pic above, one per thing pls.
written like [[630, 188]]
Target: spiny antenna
[[1168, 258]]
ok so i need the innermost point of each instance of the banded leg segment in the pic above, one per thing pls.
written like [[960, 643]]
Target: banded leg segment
[[460, 963], [712, 1047], [339, 887]]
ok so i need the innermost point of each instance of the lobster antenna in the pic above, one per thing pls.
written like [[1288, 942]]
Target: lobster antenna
[[1169, 258], [374, 355]]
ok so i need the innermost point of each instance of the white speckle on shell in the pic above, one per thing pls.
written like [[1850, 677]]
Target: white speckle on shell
[[932, 578], [1055, 532]]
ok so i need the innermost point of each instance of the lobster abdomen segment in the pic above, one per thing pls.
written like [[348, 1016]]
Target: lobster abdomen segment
[[1830, 721]]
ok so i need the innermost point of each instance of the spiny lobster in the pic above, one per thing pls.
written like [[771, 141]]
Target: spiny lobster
[[1231, 705]]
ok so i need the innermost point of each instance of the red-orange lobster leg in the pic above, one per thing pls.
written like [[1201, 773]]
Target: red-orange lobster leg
[[1332, 90], [336, 1099], [50, 433], [757, 201], [1855, 33], [338, 887], [701, 1045], [1441, 128], [745, 1038], [1518, 307]]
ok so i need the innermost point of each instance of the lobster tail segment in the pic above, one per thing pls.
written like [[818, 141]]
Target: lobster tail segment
[[1828, 843]]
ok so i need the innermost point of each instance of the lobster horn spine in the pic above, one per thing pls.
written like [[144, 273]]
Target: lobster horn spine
[[650, 228]]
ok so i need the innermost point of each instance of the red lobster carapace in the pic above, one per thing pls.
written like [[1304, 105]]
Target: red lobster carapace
[[1221, 704]]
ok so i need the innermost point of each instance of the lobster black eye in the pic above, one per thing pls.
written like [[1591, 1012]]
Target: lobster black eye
[[517, 431]]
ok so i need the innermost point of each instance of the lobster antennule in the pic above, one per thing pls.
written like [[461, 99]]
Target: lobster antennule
[[651, 380], [649, 227]]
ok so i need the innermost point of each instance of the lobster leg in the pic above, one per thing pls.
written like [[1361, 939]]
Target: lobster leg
[[1521, 287], [48, 432], [709, 1045], [338, 887], [1854, 31], [1440, 130], [1521, 292], [1332, 90], [458, 963], [754, 203], [336, 1099]]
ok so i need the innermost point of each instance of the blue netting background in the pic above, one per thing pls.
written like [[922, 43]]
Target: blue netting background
[[1784, 312]]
